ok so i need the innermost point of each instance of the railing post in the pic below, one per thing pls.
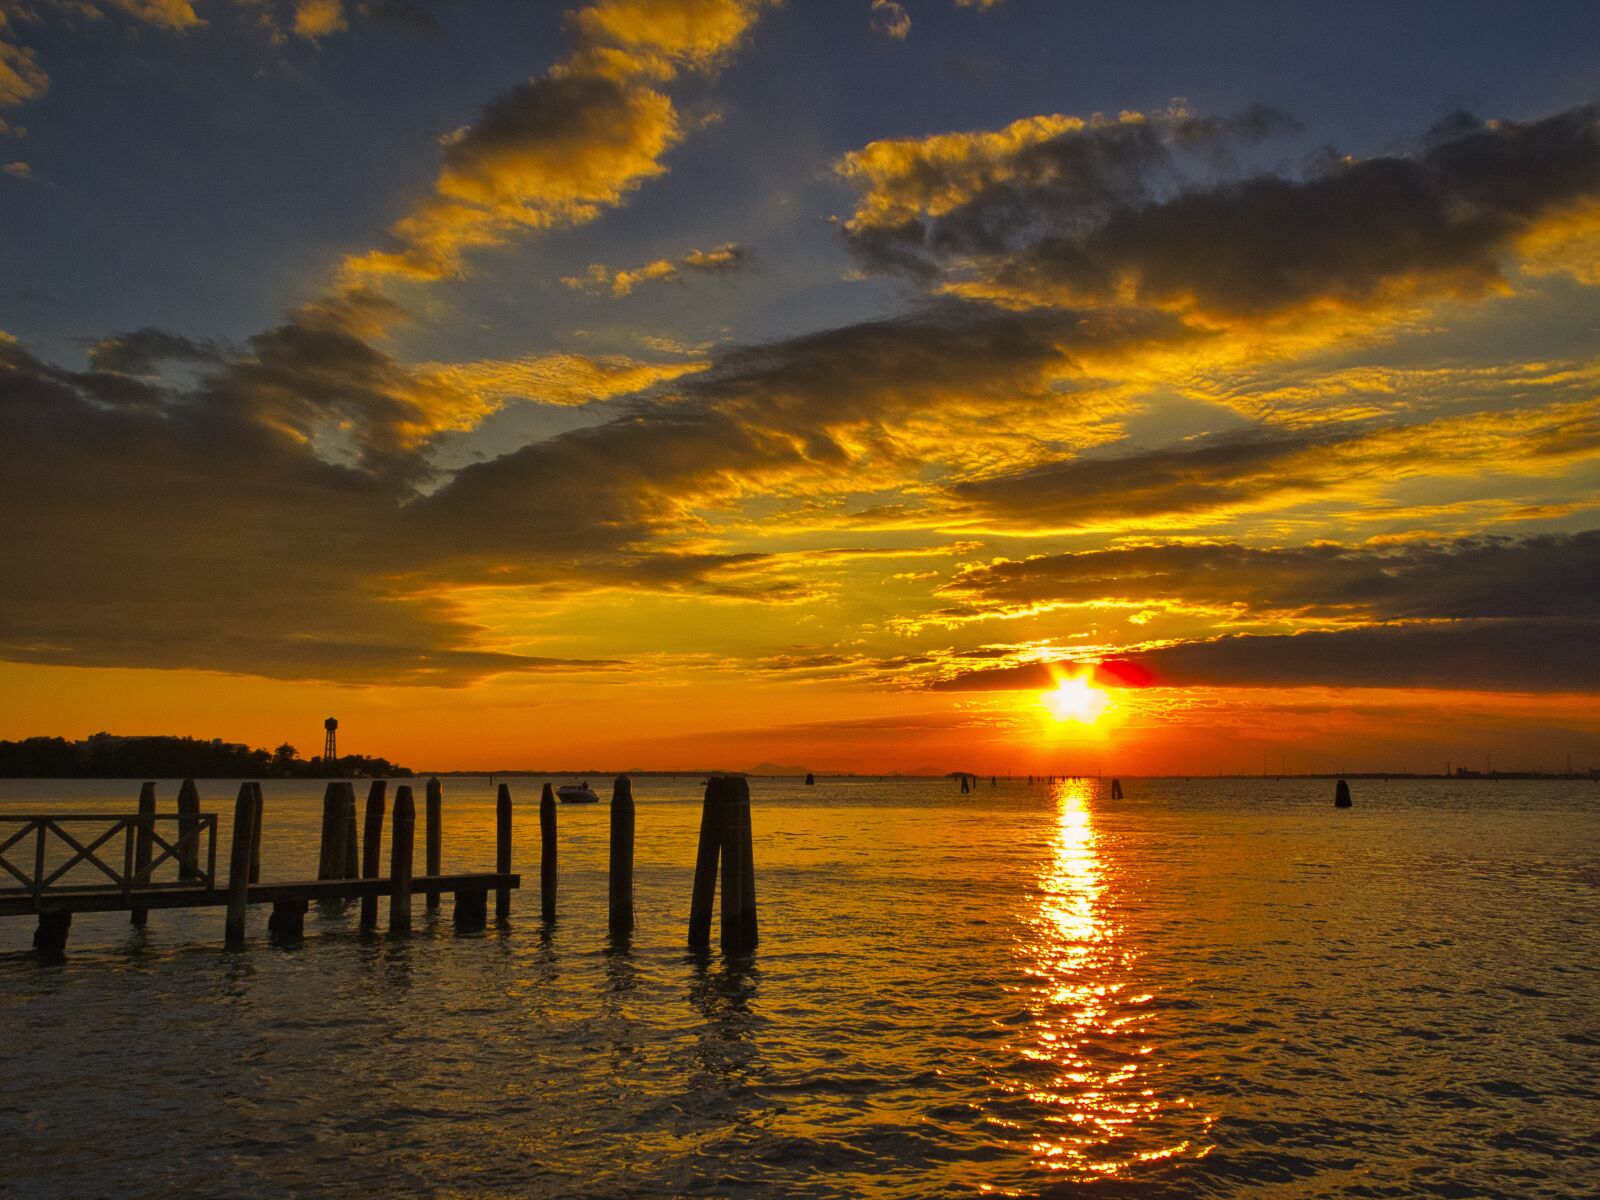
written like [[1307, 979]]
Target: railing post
[[621, 865], [140, 913], [547, 853], [372, 849], [502, 851], [433, 836], [188, 832], [705, 866], [405, 820], [244, 827]]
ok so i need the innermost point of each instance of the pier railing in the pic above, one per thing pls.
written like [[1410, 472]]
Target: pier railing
[[144, 849]]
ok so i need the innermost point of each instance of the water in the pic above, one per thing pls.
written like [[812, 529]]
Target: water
[[1211, 988]]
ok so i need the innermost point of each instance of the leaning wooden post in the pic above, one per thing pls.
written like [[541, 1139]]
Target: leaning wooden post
[[705, 866], [547, 853], [405, 821], [330, 807], [502, 852], [433, 835], [244, 827], [350, 868], [621, 858], [188, 832], [372, 849], [255, 834], [738, 872], [1341, 795], [141, 848]]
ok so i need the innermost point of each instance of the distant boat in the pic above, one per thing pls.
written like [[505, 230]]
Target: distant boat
[[577, 793]]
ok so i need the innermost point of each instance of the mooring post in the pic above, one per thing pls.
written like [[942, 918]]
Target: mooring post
[[705, 866], [405, 821], [502, 852], [372, 849], [188, 832], [433, 835], [547, 853], [621, 858], [244, 828], [141, 848], [1341, 795], [1116, 789], [255, 833], [330, 807], [50, 938], [350, 868], [738, 871]]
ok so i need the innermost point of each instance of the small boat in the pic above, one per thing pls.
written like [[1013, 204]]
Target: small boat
[[577, 793]]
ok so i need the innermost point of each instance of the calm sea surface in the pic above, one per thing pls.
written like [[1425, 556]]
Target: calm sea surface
[[1210, 988]]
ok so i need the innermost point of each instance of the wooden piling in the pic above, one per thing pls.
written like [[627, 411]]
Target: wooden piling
[[432, 833], [372, 849], [502, 850], [472, 908], [547, 853], [1116, 789], [50, 937], [738, 872], [142, 844], [705, 866], [811, 780], [244, 827], [288, 919], [350, 868], [188, 832], [404, 825], [330, 809], [1341, 795], [621, 874], [255, 833]]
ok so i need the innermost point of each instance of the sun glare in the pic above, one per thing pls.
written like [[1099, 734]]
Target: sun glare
[[1075, 698]]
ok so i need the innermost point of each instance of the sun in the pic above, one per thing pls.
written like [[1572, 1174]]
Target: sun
[[1075, 698]]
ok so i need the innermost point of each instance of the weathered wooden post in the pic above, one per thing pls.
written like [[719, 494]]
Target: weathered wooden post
[[405, 821], [327, 865], [705, 866], [547, 853], [1116, 789], [255, 833], [350, 868], [1341, 795], [433, 835], [811, 779], [372, 849], [244, 827], [188, 832], [738, 869], [621, 908], [502, 851], [141, 848], [50, 938]]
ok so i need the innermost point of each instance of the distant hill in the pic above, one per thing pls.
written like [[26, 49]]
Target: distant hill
[[767, 768]]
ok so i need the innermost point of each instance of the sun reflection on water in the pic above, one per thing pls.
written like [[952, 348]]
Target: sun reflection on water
[[1093, 1063]]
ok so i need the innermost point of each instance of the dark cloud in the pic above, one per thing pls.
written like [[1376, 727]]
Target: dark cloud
[[1552, 575], [143, 350], [1093, 227], [1533, 655]]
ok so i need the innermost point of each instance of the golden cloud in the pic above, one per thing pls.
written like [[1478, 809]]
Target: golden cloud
[[723, 260]]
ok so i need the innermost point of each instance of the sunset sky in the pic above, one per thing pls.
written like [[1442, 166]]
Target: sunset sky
[[696, 383]]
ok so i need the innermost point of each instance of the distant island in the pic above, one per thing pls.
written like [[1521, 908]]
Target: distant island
[[108, 756]]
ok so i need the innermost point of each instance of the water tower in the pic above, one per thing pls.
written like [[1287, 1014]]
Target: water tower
[[328, 751]]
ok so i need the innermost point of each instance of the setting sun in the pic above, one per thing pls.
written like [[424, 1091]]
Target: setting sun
[[1075, 698]]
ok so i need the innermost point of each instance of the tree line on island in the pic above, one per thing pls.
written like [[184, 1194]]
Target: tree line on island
[[106, 756]]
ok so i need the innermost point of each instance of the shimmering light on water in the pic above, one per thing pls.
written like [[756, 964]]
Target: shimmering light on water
[[1215, 988]]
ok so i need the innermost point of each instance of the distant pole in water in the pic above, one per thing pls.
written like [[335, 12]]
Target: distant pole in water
[[621, 874], [991, 781], [502, 851], [547, 853], [372, 849], [188, 832], [1341, 795], [1116, 789], [142, 842], [432, 836], [400, 849], [244, 826], [811, 780], [964, 788]]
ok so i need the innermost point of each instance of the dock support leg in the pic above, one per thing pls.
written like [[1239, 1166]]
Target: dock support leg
[[188, 832], [244, 832], [433, 836], [372, 849], [400, 848], [51, 936], [142, 846], [472, 908], [288, 919]]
